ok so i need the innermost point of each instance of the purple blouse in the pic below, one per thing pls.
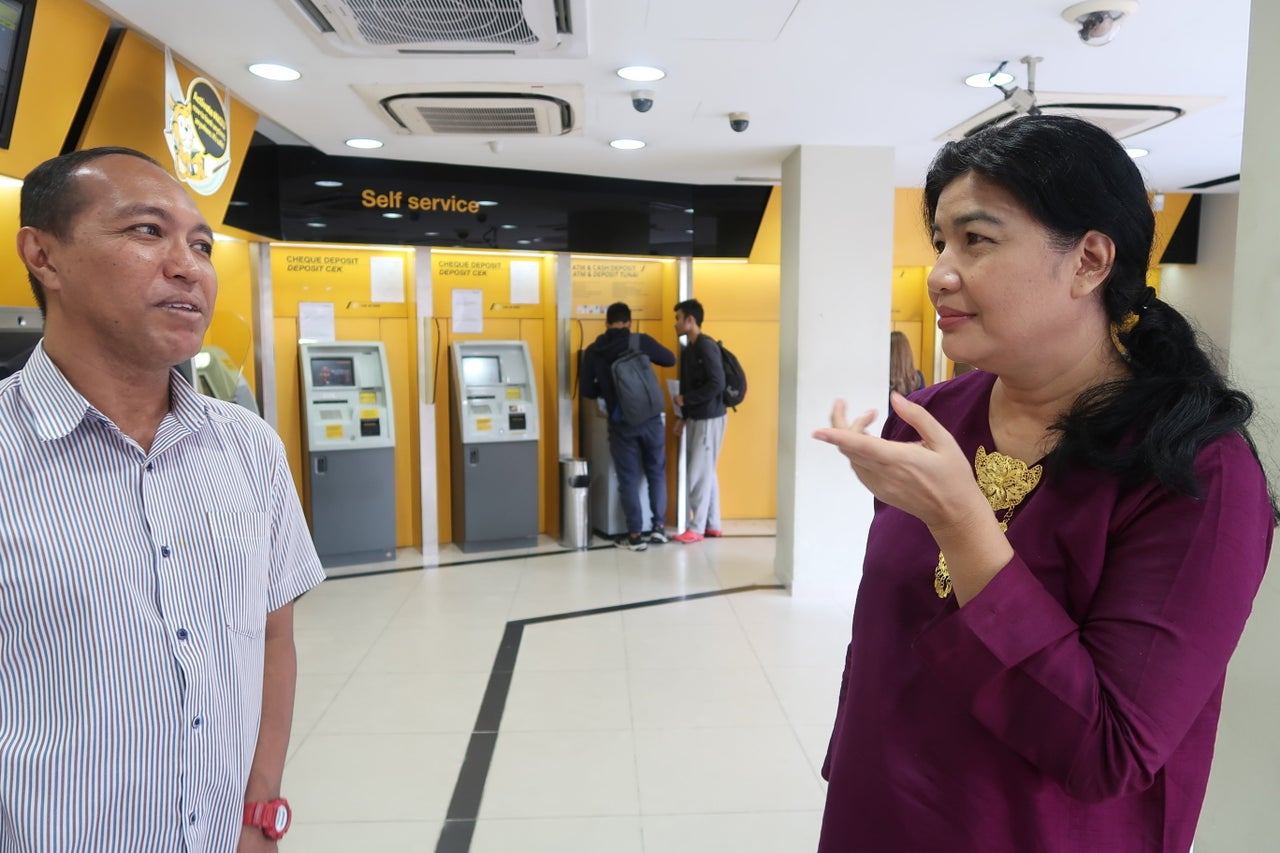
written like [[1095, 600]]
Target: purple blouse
[[1071, 706]]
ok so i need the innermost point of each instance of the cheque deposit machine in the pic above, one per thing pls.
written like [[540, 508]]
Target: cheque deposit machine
[[494, 446], [350, 436]]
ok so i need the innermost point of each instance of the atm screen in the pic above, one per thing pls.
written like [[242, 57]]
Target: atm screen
[[481, 370], [332, 371]]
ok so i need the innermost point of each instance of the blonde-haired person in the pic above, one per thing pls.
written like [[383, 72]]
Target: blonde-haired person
[[903, 376]]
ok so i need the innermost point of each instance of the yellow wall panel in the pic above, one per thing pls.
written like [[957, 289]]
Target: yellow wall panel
[[66, 38], [912, 245], [741, 302], [767, 248], [15, 289], [232, 325], [1167, 219], [130, 107]]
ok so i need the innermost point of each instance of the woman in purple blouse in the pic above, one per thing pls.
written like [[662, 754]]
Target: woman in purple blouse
[[1067, 541]]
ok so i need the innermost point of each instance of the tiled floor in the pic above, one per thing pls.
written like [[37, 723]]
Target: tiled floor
[[689, 725]]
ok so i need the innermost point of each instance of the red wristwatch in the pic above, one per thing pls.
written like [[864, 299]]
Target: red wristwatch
[[272, 817]]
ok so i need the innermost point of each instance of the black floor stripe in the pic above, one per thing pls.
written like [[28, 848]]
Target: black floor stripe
[[464, 807]]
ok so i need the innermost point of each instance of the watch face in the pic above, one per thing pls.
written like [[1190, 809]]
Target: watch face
[[282, 818]]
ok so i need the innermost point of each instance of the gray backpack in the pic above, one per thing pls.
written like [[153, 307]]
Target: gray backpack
[[639, 394]]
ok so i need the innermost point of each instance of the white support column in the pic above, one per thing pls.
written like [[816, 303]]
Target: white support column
[[837, 267], [264, 332], [429, 396], [1239, 811]]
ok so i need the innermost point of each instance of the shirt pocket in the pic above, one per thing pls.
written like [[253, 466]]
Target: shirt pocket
[[242, 552]]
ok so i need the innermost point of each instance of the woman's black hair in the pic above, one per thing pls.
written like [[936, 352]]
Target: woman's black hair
[[1073, 177]]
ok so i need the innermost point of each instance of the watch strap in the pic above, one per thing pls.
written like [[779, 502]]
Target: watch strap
[[267, 817]]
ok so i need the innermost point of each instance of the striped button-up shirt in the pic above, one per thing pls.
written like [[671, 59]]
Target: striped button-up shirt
[[134, 591]]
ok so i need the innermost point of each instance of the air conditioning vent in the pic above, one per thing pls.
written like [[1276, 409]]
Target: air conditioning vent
[[458, 28], [1119, 115], [478, 109]]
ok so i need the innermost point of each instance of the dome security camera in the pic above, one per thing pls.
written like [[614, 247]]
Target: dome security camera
[[1099, 20], [739, 121], [642, 100]]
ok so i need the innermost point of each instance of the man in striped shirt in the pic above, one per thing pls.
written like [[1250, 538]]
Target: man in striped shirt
[[151, 541]]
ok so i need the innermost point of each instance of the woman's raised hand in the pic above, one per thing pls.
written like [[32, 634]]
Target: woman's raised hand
[[930, 479]]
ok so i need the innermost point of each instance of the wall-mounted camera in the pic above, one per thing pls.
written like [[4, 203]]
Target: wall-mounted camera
[[739, 121], [642, 100]]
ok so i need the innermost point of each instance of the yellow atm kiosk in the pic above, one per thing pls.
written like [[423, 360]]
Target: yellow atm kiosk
[[350, 435], [494, 444]]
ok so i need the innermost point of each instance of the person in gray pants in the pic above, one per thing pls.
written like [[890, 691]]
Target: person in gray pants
[[701, 402]]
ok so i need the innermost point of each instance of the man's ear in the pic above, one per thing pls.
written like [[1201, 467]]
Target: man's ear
[[34, 247], [1096, 254]]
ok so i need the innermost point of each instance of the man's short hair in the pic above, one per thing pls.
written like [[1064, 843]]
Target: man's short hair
[[691, 308], [51, 200], [618, 312]]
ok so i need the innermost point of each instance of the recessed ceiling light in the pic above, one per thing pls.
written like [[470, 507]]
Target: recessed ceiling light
[[509, 227], [524, 242], [430, 233], [358, 142], [987, 79], [1135, 153], [392, 215], [641, 73], [487, 203], [328, 183], [688, 230], [688, 210], [236, 202], [272, 71], [315, 225], [626, 144]]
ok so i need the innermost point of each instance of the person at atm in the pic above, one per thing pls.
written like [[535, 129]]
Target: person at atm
[[151, 542], [636, 449]]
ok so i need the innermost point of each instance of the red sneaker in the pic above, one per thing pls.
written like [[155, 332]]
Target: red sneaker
[[687, 538], [714, 534]]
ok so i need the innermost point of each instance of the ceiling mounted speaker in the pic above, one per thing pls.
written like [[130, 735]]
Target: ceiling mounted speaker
[[526, 28]]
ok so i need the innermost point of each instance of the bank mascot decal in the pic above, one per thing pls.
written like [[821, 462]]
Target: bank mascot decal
[[197, 129]]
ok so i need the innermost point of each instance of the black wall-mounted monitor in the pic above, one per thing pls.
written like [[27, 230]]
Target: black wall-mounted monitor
[[15, 32]]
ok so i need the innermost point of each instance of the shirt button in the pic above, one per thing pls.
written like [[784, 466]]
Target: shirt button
[[197, 722], [151, 466], [182, 634], [164, 551]]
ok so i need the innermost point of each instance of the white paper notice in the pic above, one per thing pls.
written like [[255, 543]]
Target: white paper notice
[[315, 321], [386, 279], [468, 311], [524, 282], [673, 388]]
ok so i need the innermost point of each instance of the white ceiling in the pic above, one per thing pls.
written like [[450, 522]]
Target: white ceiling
[[810, 72]]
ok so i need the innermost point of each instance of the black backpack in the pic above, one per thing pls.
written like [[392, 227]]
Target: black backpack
[[735, 378], [635, 383]]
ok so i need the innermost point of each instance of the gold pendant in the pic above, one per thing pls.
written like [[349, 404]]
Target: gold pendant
[[1004, 481], [942, 577]]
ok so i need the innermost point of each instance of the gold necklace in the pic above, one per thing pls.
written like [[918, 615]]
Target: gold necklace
[[1004, 481]]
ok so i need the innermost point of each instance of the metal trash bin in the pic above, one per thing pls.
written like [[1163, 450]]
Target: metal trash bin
[[575, 513]]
